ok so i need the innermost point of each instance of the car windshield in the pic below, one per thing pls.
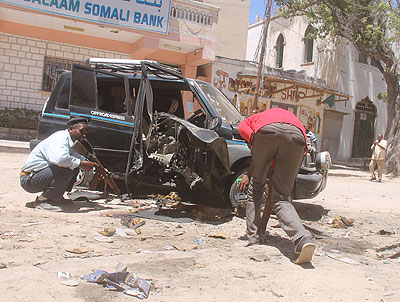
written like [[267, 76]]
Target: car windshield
[[221, 104]]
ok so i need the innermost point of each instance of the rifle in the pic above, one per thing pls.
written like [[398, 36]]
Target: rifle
[[100, 170]]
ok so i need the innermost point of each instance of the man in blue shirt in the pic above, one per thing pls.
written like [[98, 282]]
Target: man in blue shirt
[[52, 166]]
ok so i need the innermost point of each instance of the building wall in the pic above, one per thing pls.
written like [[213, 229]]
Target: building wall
[[337, 67], [231, 29], [359, 81], [235, 79], [21, 68]]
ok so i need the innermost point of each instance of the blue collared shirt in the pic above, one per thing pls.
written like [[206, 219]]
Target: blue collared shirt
[[56, 150]]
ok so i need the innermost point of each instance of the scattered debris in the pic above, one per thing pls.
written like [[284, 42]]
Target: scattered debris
[[219, 236], [389, 251], [78, 251], [34, 223], [199, 265], [169, 248], [369, 279], [347, 222], [108, 231], [121, 280], [341, 222], [201, 240], [385, 232], [342, 258], [3, 265], [184, 246], [131, 222], [308, 294], [259, 258], [64, 275]]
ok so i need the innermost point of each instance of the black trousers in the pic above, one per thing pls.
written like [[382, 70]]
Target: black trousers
[[53, 181]]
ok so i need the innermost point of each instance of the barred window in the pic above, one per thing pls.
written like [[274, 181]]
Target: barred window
[[50, 74]]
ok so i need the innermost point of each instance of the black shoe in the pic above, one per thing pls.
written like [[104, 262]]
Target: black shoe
[[372, 179], [304, 250]]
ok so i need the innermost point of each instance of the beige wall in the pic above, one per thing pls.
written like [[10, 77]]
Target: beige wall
[[21, 68], [231, 29]]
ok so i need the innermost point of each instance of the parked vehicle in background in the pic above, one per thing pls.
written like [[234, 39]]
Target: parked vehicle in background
[[149, 125]]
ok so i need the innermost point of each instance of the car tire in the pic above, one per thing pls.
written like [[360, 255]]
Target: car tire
[[83, 178], [238, 198]]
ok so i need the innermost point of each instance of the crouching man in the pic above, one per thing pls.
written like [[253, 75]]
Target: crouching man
[[276, 134], [52, 166]]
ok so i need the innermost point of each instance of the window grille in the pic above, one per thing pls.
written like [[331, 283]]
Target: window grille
[[50, 74]]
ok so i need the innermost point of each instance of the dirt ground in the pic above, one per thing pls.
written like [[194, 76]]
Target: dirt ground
[[34, 244]]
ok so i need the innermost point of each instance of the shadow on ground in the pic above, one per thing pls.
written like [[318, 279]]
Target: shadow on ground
[[309, 212]]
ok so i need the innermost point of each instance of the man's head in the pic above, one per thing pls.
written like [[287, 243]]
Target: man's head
[[78, 128], [380, 136]]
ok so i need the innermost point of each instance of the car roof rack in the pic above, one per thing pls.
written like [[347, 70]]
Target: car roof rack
[[127, 65]]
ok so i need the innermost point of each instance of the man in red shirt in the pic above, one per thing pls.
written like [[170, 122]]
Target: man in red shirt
[[276, 134]]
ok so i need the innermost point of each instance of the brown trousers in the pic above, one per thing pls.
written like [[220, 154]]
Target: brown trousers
[[285, 143]]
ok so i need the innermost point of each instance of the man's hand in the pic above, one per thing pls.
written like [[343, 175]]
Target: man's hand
[[376, 142], [244, 183], [87, 165]]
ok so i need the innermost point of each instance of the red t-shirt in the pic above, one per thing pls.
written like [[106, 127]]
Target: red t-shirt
[[275, 115]]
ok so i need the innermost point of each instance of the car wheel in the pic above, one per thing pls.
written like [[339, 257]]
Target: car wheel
[[83, 178], [238, 198]]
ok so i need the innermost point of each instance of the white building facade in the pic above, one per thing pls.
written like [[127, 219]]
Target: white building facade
[[349, 127]]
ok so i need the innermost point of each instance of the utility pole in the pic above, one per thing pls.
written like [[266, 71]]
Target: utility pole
[[267, 19]]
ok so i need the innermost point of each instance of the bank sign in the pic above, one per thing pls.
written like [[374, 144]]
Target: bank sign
[[149, 15]]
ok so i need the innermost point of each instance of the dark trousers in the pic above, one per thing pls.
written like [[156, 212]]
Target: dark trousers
[[285, 143], [53, 181]]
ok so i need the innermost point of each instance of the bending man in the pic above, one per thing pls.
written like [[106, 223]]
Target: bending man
[[276, 134], [52, 166]]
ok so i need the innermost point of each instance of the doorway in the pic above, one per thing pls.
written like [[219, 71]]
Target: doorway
[[363, 134]]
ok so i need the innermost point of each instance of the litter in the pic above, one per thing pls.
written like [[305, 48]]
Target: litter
[[342, 258], [78, 251], [65, 275], [201, 240], [34, 223], [109, 231], [219, 236], [121, 280], [131, 222], [389, 251], [385, 232]]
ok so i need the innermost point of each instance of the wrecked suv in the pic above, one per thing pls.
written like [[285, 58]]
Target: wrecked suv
[[149, 125]]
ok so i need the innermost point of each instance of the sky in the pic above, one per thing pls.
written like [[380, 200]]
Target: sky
[[257, 7]]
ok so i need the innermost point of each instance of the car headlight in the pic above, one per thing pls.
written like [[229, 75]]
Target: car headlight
[[323, 160]]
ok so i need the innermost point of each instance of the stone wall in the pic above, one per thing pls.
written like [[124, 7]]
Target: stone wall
[[21, 68]]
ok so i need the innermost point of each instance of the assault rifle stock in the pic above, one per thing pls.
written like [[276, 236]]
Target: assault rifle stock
[[100, 170]]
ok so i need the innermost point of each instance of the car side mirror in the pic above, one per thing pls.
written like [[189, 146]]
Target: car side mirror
[[216, 122]]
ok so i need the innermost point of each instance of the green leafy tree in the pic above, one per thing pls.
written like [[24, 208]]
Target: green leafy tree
[[373, 26]]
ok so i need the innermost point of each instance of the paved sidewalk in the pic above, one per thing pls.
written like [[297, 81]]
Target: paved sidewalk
[[14, 146]]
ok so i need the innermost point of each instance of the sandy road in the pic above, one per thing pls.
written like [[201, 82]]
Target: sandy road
[[219, 269]]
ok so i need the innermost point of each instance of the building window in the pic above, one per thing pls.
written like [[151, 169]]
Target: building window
[[50, 74], [362, 58], [308, 45], [280, 44]]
